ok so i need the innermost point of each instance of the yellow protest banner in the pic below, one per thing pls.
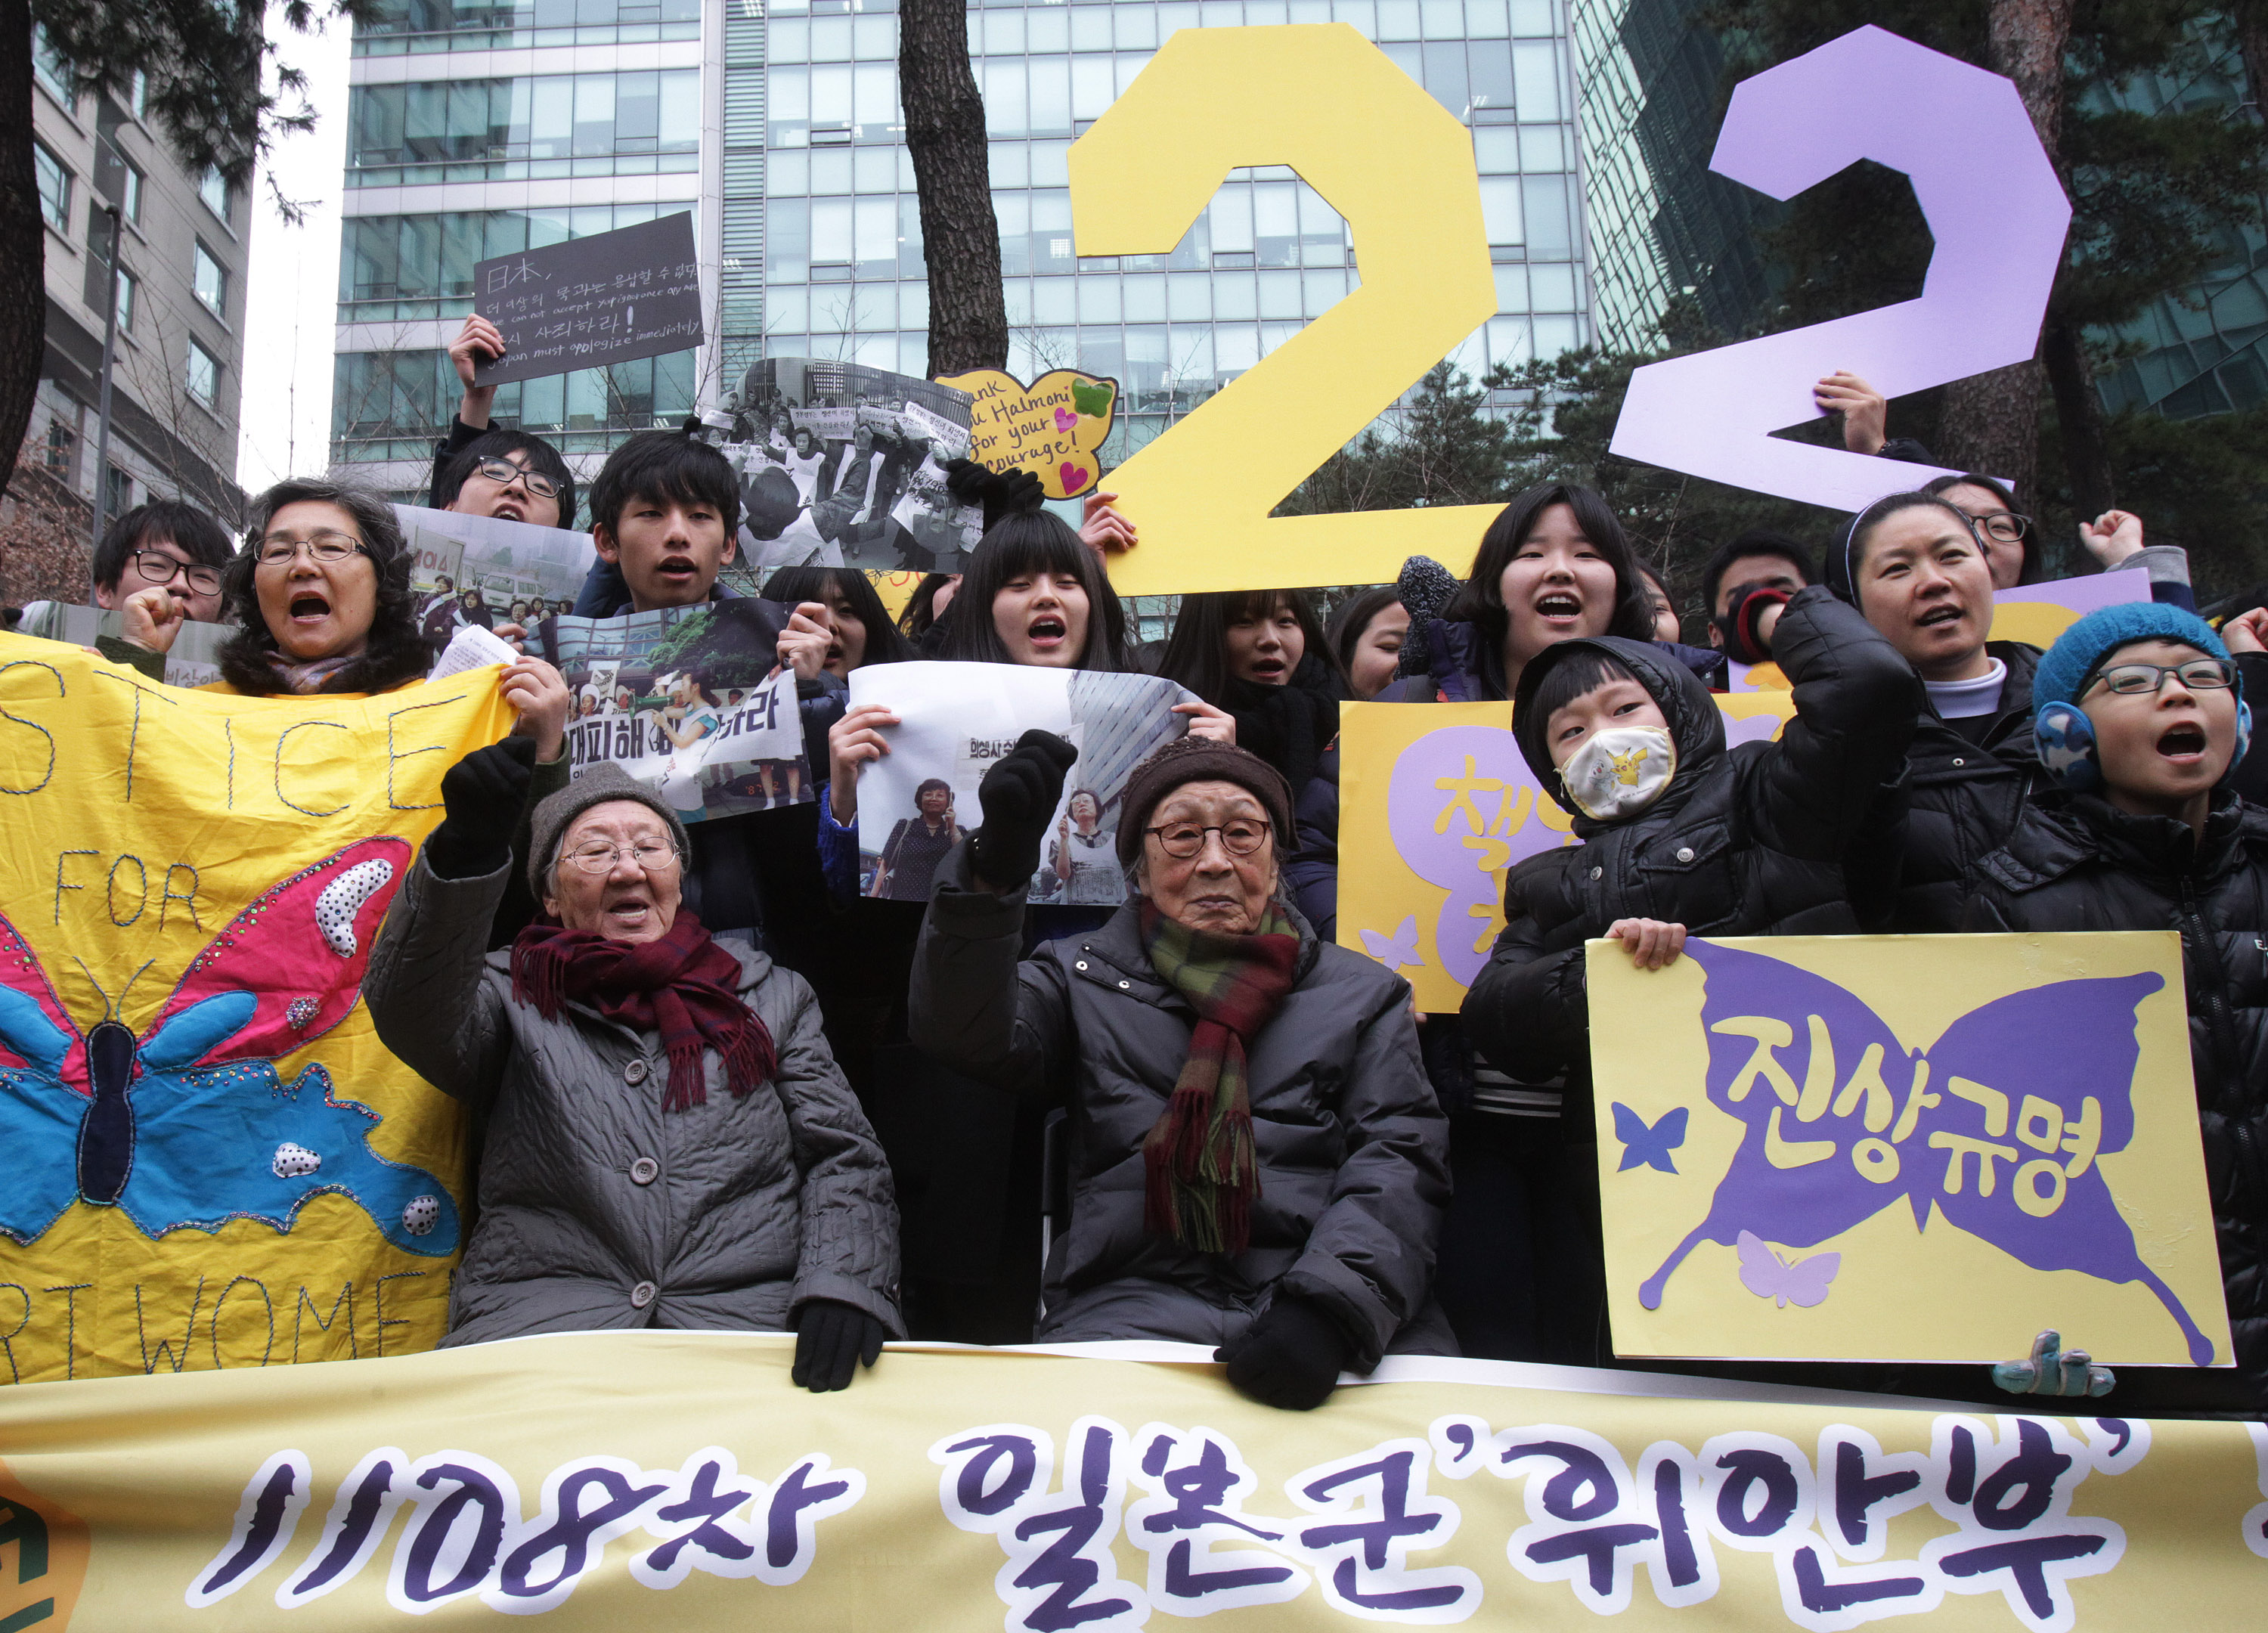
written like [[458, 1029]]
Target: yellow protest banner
[[211, 1160], [1806, 1140], [1435, 805], [1399, 167], [1053, 428], [622, 1479]]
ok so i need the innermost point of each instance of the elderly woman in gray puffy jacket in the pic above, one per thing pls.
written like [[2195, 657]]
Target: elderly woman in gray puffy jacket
[[669, 1142], [1257, 1161]]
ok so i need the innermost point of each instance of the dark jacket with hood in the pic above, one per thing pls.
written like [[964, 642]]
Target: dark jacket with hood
[[1351, 1146], [1462, 665], [2075, 863], [1966, 784], [1745, 841]]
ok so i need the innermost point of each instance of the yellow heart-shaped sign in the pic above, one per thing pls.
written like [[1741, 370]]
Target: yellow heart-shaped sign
[[1053, 428]]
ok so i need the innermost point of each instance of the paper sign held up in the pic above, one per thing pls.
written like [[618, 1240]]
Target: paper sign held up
[[611, 297], [1805, 1140], [1053, 428]]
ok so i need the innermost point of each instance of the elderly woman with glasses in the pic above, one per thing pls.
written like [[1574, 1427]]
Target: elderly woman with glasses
[[670, 1143], [1258, 1163]]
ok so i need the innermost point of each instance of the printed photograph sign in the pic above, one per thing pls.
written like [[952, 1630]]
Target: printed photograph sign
[[691, 700], [1806, 1140], [956, 720]]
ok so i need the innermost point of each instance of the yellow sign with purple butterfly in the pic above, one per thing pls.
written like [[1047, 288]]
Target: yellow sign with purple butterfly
[[1436, 804], [1903, 1147], [212, 1160]]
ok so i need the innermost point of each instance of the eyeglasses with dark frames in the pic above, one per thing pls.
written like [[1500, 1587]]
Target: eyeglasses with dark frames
[[1240, 836]]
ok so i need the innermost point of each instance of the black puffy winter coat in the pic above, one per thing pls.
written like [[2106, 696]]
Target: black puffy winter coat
[[2075, 864], [1351, 1145], [1745, 841], [1964, 793]]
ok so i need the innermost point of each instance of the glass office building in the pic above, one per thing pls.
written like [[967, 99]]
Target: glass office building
[[842, 231], [477, 130]]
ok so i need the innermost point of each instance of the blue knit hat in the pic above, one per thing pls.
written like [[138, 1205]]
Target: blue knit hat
[[2061, 732], [2080, 651]]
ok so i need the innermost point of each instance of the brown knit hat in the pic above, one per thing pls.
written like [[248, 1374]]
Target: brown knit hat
[[1200, 760]]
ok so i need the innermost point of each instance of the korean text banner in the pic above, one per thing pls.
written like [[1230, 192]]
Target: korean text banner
[[691, 701], [1435, 805], [604, 1481], [1805, 1140], [211, 1159]]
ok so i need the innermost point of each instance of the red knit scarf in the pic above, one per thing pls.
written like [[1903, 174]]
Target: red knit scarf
[[681, 985], [1200, 1169]]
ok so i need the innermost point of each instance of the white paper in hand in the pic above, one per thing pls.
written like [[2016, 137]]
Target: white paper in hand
[[472, 647]]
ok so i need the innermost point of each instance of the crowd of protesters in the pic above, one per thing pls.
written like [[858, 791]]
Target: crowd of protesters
[[718, 1087]]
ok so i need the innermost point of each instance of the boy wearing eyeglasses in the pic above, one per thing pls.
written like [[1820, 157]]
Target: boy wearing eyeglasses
[[480, 470], [163, 544], [2139, 717]]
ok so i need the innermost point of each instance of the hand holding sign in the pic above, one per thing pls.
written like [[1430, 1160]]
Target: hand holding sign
[[1993, 205]]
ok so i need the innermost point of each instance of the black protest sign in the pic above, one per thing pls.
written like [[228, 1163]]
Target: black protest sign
[[635, 292]]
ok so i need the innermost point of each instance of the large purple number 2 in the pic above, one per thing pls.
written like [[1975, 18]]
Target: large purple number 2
[[1994, 207]]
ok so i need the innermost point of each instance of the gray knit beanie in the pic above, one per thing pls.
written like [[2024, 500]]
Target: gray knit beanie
[[556, 814]]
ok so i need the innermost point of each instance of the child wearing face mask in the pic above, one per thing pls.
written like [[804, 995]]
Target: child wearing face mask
[[1680, 833], [2142, 721]]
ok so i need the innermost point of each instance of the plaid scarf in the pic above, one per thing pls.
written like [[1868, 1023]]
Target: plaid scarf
[[682, 985], [1198, 1158]]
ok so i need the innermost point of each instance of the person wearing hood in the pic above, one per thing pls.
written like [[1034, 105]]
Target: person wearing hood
[[1257, 1160], [1262, 655], [2141, 722], [1680, 834]]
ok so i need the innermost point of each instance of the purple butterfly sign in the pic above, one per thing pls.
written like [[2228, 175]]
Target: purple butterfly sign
[[1904, 1149]]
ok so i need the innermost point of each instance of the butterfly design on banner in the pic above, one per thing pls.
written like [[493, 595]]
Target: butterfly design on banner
[[1649, 1146], [190, 1125], [1997, 1126], [1399, 951]]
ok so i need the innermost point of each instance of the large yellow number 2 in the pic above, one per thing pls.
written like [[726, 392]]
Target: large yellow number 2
[[1392, 161]]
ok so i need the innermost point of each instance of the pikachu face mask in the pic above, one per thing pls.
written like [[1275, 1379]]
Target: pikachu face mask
[[1620, 771]]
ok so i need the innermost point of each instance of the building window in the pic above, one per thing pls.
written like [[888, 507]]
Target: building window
[[55, 188], [138, 96], [62, 446], [117, 493], [214, 190], [211, 283], [53, 72], [203, 378], [127, 286], [129, 192]]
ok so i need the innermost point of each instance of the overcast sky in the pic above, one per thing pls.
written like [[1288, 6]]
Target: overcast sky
[[291, 291]]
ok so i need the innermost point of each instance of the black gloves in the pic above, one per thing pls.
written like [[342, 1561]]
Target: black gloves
[[1003, 494], [1291, 1357], [484, 793], [1739, 628], [1019, 795], [832, 1340]]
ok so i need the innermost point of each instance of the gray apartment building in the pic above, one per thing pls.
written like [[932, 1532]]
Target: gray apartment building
[[178, 354]]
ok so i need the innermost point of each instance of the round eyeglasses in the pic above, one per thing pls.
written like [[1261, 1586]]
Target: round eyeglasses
[[504, 472], [598, 857], [1240, 836], [2003, 526]]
